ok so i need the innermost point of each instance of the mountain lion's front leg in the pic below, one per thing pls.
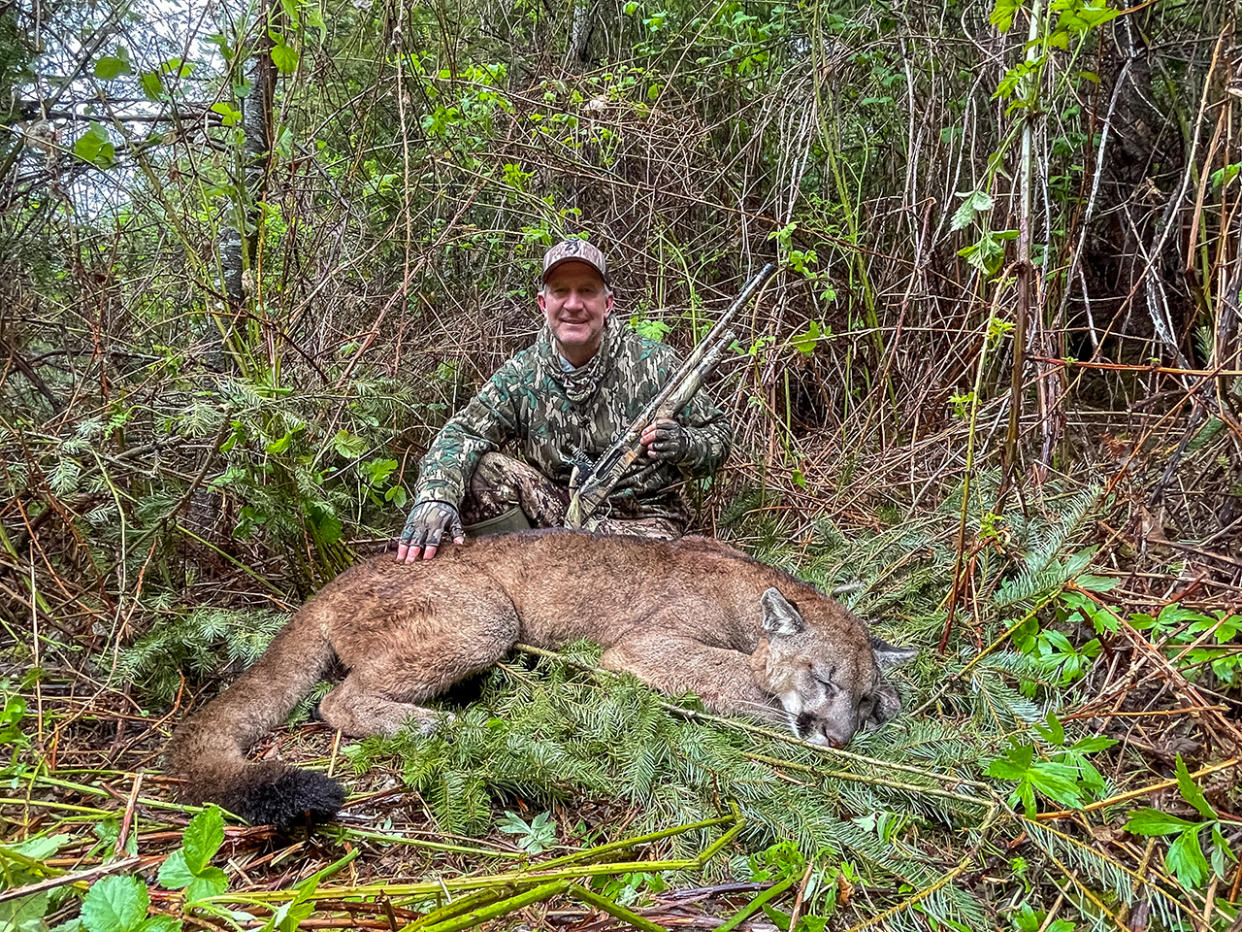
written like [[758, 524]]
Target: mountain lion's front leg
[[677, 665]]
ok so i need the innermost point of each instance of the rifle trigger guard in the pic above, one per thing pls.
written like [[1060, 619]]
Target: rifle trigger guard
[[583, 466]]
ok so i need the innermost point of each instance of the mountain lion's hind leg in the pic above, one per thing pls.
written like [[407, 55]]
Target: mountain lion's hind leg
[[417, 658], [358, 712], [674, 665]]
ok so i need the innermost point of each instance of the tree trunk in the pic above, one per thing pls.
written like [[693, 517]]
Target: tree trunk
[[580, 33], [241, 241]]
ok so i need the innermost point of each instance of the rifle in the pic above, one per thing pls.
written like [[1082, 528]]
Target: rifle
[[587, 493]]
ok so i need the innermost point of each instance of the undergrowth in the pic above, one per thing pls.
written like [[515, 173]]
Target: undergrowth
[[987, 746], [198, 644], [552, 734]]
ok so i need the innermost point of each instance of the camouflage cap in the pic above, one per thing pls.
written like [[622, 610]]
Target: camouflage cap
[[575, 250]]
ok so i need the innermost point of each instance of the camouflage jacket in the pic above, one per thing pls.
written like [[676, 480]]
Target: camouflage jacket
[[528, 407]]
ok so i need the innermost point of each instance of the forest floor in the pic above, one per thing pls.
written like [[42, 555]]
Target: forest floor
[[1072, 757]]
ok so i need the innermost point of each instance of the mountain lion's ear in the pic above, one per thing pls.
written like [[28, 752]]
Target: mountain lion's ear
[[887, 656], [780, 618]]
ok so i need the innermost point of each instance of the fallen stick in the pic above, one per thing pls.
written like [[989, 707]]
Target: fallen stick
[[51, 883]]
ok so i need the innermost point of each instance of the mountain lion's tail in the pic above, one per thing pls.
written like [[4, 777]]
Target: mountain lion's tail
[[209, 750]]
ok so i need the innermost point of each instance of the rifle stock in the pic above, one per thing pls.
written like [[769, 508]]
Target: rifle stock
[[588, 492]]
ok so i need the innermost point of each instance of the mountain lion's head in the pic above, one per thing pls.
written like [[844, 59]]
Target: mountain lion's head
[[828, 685]]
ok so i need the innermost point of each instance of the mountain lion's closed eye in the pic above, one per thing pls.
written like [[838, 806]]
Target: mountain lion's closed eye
[[687, 616]]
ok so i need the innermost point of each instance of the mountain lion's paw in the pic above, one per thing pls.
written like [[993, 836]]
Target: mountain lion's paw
[[431, 724]]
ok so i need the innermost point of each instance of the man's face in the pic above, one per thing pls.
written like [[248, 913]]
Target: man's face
[[576, 304]]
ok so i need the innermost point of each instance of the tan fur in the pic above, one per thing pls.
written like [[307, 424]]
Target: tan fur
[[691, 615]]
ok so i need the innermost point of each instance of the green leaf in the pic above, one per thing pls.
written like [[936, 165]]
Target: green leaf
[[1093, 745], [1096, 584], [1185, 859], [1082, 17], [284, 57], [806, 342], [203, 838], [1014, 764], [230, 116], [1220, 852], [284, 142], [41, 848], [152, 84], [288, 918], [1091, 778], [87, 146], [1002, 769], [1003, 14], [1054, 733], [1223, 176], [513, 824], [1059, 641], [177, 66], [174, 874], [1058, 38], [160, 924], [94, 146], [649, 328], [25, 914], [220, 41], [378, 470], [115, 904], [11, 722], [110, 67], [210, 882], [327, 526], [1057, 781], [1154, 822], [348, 446], [986, 255], [975, 202], [1191, 792], [290, 8], [276, 447], [1173, 614]]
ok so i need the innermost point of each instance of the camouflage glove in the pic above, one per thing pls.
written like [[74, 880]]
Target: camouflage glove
[[424, 529], [667, 440]]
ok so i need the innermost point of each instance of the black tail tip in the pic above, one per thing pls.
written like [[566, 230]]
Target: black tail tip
[[273, 794]]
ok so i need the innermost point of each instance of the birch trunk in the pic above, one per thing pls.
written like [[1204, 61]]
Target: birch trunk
[[239, 251]]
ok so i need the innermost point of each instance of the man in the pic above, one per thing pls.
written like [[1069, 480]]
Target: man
[[559, 403]]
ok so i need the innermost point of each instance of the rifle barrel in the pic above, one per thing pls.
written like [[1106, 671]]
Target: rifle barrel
[[718, 334], [675, 394]]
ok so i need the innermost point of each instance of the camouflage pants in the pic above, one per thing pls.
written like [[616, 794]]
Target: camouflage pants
[[500, 483]]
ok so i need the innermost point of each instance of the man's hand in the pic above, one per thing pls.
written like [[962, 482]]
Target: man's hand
[[665, 439], [425, 528]]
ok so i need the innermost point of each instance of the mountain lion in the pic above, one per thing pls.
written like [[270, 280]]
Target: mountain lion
[[691, 615]]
